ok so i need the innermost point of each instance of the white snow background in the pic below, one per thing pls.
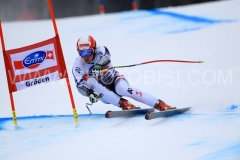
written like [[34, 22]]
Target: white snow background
[[210, 130]]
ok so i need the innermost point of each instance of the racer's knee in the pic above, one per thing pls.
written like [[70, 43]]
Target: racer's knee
[[122, 87]]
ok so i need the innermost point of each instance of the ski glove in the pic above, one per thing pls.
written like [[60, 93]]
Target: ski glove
[[93, 96], [97, 71]]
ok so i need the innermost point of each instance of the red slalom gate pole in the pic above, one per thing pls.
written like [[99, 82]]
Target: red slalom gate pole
[[9, 85], [63, 63]]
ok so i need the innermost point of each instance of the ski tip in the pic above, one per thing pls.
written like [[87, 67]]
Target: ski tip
[[108, 114], [148, 115]]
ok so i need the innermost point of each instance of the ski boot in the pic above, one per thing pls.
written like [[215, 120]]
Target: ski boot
[[126, 105], [162, 106]]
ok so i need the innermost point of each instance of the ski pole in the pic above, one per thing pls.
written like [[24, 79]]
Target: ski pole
[[154, 61], [88, 108]]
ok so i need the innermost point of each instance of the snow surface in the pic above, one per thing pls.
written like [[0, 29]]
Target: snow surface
[[211, 130]]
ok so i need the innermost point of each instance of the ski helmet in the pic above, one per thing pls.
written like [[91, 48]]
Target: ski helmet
[[86, 42]]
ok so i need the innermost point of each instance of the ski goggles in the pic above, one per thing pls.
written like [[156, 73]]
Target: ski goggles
[[86, 52]]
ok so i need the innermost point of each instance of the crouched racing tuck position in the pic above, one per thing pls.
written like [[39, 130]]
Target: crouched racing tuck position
[[96, 78]]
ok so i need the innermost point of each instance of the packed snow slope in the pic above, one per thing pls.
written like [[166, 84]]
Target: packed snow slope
[[210, 130]]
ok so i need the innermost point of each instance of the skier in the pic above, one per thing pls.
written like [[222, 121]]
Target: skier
[[96, 78]]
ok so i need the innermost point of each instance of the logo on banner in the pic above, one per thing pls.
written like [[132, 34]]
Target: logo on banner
[[34, 60]]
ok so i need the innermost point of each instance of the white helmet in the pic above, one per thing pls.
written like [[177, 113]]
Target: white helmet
[[86, 42]]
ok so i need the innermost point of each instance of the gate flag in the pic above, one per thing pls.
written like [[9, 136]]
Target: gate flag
[[34, 65]]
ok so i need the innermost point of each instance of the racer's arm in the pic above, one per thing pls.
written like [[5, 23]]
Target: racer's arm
[[104, 60], [81, 84], [104, 57]]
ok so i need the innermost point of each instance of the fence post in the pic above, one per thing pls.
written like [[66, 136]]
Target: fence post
[[101, 7]]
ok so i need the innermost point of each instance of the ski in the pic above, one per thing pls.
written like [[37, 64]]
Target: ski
[[125, 113], [168, 113]]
